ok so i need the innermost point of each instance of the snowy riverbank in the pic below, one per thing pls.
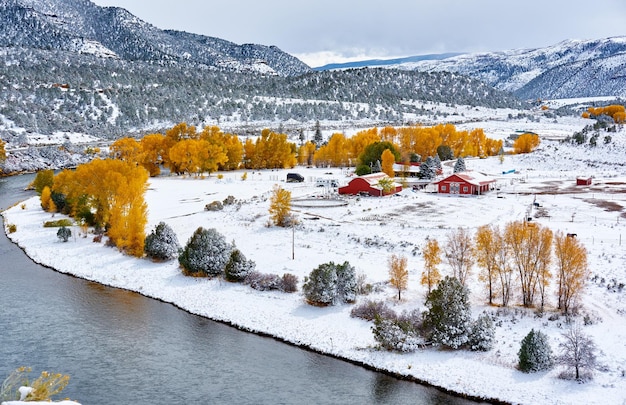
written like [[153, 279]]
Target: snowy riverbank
[[365, 233]]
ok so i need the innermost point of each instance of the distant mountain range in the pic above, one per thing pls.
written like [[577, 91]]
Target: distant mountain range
[[569, 69], [82, 26]]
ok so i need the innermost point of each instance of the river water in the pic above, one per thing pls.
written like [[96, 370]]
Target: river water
[[122, 348]]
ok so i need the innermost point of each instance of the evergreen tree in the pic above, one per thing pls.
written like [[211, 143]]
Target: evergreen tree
[[346, 282], [162, 243], [392, 334], [320, 287], [318, 139], [445, 152], [206, 253], [427, 170], [459, 166], [238, 267], [535, 353], [483, 333], [64, 234], [449, 315]]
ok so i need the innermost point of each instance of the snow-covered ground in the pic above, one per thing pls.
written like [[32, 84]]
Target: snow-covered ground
[[366, 232]]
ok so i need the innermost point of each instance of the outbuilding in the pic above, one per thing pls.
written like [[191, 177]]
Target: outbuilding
[[583, 181], [369, 184], [466, 183]]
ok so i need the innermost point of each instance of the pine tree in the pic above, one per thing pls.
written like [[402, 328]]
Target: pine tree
[[483, 334], [535, 353], [320, 287], [205, 254], [459, 166], [238, 267], [346, 282], [449, 314], [162, 243], [427, 172], [318, 139]]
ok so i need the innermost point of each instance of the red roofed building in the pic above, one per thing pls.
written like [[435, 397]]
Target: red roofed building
[[466, 183], [368, 184]]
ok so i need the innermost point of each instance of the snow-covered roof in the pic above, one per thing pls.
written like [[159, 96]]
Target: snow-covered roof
[[475, 178]]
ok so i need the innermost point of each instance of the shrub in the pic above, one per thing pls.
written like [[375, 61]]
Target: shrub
[[330, 284], [535, 353], [205, 254], [58, 223], [370, 309], [42, 389], [483, 333], [289, 283], [238, 267], [214, 206], [362, 170], [263, 282], [12, 228], [64, 234], [162, 243], [396, 335]]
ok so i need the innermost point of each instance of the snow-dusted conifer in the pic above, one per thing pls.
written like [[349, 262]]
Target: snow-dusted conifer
[[449, 313], [535, 353], [483, 333], [238, 267], [459, 166], [162, 243], [320, 287], [426, 169], [392, 334], [346, 283], [206, 253]]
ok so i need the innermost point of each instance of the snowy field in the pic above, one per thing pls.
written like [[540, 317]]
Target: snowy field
[[365, 232]]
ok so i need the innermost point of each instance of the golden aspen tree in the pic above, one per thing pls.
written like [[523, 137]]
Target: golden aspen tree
[[153, 149], [234, 152], [127, 149], [46, 200], [306, 153], [531, 249], [486, 253], [459, 253], [42, 179], [526, 143], [3, 152], [388, 134], [129, 214], [361, 140], [249, 154], [432, 258], [502, 265], [334, 153], [388, 159], [572, 270], [280, 206], [398, 273]]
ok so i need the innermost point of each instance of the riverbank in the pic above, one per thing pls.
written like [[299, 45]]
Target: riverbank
[[363, 233]]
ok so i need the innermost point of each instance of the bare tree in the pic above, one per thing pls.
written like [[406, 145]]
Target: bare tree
[[578, 352], [459, 253]]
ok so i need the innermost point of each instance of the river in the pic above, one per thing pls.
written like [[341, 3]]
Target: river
[[122, 348]]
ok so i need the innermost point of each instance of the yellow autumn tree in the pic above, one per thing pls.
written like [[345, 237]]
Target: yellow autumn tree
[[398, 273], [572, 270], [432, 258], [306, 153], [280, 206], [388, 159], [3, 152], [526, 143], [153, 148], [334, 153], [531, 251], [195, 156], [46, 200], [127, 149], [486, 254]]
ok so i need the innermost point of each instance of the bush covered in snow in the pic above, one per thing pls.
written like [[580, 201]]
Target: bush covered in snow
[[330, 284], [162, 243], [483, 333], [238, 267], [395, 334], [535, 353], [370, 309], [448, 318], [205, 254]]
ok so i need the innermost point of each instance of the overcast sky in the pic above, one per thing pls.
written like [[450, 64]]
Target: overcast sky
[[324, 31]]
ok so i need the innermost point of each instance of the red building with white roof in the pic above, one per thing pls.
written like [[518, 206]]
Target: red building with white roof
[[465, 183]]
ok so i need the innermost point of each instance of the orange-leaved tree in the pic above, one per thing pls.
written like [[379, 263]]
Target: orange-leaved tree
[[526, 143], [280, 206], [572, 270], [432, 258], [398, 273], [388, 159]]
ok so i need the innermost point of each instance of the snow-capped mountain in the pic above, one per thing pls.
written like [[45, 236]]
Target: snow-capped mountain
[[81, 26], [572, 68]]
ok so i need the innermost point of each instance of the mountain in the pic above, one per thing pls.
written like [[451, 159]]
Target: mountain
[[81, 26], [385, 62], [568, 69]]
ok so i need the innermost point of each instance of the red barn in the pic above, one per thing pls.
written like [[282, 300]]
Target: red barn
[[368, 184], [583, 181], [465, 183]]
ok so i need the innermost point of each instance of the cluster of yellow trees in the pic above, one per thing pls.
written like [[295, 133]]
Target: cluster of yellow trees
[[185, 150], [615, 111], [526, 143], [423, 141], [108, 194], [516, 259]]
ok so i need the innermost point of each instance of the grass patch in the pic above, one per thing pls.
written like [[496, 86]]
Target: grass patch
[[58, 223]]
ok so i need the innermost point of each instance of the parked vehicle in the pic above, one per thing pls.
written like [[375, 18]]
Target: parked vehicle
[[294, 178], [326, 183]]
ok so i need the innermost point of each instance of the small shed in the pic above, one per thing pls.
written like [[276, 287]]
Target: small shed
[[466, 183], [583, 181], [368, 184]]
